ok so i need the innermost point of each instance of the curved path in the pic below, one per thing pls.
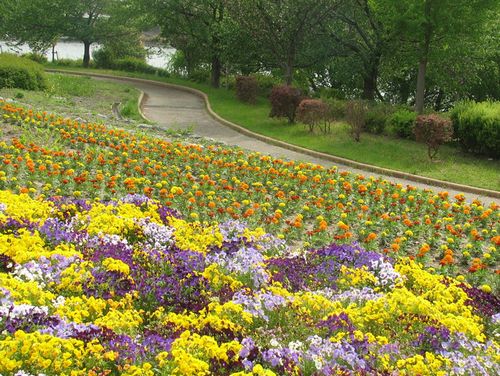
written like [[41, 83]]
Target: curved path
[[172, 107]]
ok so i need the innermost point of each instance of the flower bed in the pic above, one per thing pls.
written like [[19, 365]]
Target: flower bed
[[131, 287], [303, 203]]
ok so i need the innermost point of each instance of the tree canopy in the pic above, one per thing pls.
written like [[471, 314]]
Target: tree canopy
[[413, 52]]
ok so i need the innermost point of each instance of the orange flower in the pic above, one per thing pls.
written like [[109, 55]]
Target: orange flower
[[423, 250], [248, 213], [322, 225], [371, 236], [342, 226], [395, 247], [448, 258], [496, 240]]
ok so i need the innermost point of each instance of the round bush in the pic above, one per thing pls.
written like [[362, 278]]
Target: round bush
[[377, 116], [284, 102], [433, 130], [247, 89], [313, 112], [21, 73], [402, 122]]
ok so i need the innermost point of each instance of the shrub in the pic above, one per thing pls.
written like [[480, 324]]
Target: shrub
[[69, 63], [39, 58], [356, 111], [266, 84], [284, 102], [133, 64], [401, 123], [433, 131], [247, 89], [21, 73], [314, 112], [477, 127], [377, 117], [103, 58], [116, 49], [336, 108], [200, 75]]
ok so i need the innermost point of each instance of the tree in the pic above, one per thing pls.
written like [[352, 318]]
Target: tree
[[431, 29], [39, 23], [32, 22], [360, 32], [193, 27], [288, 33]]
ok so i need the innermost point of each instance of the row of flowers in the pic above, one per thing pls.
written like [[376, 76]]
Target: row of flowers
[[306, 204], [91, 287]]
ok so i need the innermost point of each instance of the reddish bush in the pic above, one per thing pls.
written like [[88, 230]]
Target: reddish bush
[[247, 89], [433, 131], [314, 112], [356, 111], [284, 102]]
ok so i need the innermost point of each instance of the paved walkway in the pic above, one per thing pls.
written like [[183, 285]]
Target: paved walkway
[[178, 109]]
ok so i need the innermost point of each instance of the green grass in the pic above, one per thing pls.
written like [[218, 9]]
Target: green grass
[[78, 96], [403, 155], [130, 109]]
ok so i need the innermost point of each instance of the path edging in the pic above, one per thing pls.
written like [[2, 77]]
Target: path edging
[[272, 141], [140, 105]]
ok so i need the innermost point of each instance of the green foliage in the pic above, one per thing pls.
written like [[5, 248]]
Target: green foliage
[[199, 75], [377, 117], [401, 123], [193, 27], [477, 127], [67, 63], [117, 49], [439, 39], [433, 130], [21, 73], [38, 58], [132, 64], [284, 102], [286, 34], [337, 108], [246, 89]]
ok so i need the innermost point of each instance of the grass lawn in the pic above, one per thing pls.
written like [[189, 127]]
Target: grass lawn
[[403, 155]]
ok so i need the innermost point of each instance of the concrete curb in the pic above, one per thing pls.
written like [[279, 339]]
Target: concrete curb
[[316, 154], [140, 103]]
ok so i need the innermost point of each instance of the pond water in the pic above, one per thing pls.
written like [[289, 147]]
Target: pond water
[[157, 56]]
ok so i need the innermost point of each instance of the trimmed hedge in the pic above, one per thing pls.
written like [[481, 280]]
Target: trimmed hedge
[[22, 73], [477, 127]]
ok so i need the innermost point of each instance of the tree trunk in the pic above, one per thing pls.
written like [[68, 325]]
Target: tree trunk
[[419, 97], [369, 87], [370, 75], [53, 52], [422, 64], [86, 53], [288, 74], [216, 71]]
